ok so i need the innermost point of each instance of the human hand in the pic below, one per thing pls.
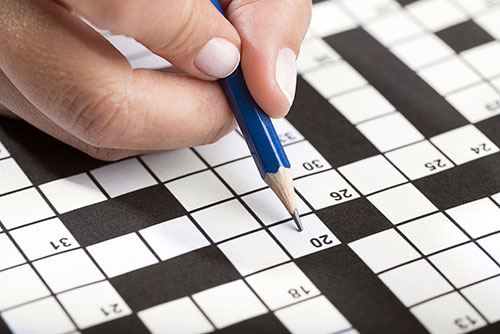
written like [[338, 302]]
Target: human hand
[[60, 75]]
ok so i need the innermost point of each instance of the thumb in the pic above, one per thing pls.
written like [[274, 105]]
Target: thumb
[[191, 34]]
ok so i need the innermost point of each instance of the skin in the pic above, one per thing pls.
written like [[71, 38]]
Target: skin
[[61, 76]]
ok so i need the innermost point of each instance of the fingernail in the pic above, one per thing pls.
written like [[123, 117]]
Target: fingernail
[[218, 58], [286, 73]]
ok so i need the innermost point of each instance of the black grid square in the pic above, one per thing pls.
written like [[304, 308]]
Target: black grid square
[[175, 278], [464, 36], [326, 129], [353, 220], [267, 323], [121, 215], [42, 157], [129, 324], [358, 293]]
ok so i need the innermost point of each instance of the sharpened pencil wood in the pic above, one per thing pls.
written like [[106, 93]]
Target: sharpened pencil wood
[[281, 183]]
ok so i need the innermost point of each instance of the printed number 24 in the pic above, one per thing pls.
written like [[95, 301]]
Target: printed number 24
[[480, 148]]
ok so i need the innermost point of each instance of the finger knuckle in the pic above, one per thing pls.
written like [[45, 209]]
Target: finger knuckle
[[101, 121], [104, 154], [112, 15], [222, 128], [184, 33]]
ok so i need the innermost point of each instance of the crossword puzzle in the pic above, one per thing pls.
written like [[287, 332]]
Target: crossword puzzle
[[393, 138]]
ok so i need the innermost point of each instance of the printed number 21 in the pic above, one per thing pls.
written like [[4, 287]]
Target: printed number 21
[[465, 322], [111, 309]]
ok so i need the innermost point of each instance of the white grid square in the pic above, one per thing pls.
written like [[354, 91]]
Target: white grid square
[[225, 220], [366, 10], [287, 133], [384, 250], [305, 159], [174, 237], [72, 193], [433, 233], [495, 83], [372, 174], [266, 205], [449, 75], [484, 58], [4, 153], [419, 160], [383, 28], [436, 14], [94, 304], [473, 6], [122, 177], [242, 175], [229, 303], [491, 245], [490, 22], [484, 296], [328, 18], [127, 45], [198, 190], [12, 176], [42, 316], [334, 79], [362, 104], [315, 237], [316, 314], [13, 294], [422, 50], [315, 52], [121, 255], [465, 265], [177, 316], [450, 313], [402, 203], [173, 164], [464, 144], [325, 189], [477, 102], [415, 282], [13, 211], [10, 256], [230, 147], [68, 270], [247, 258], [149, 60], [44, 238], [477, 218], [390, 132], [283, 285]]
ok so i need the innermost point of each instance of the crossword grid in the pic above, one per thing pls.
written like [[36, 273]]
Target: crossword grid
[[423, 285], [397, 255], [113, 256]]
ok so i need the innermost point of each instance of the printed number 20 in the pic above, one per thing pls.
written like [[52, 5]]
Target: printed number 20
[[320, 241]]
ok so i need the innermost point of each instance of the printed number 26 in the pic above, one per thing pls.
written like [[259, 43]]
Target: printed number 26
[[340, 195]]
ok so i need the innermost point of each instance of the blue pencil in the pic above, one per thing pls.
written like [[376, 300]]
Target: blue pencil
[[261, 138]]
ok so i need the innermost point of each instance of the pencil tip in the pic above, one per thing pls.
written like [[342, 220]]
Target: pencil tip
[[296, 219]]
